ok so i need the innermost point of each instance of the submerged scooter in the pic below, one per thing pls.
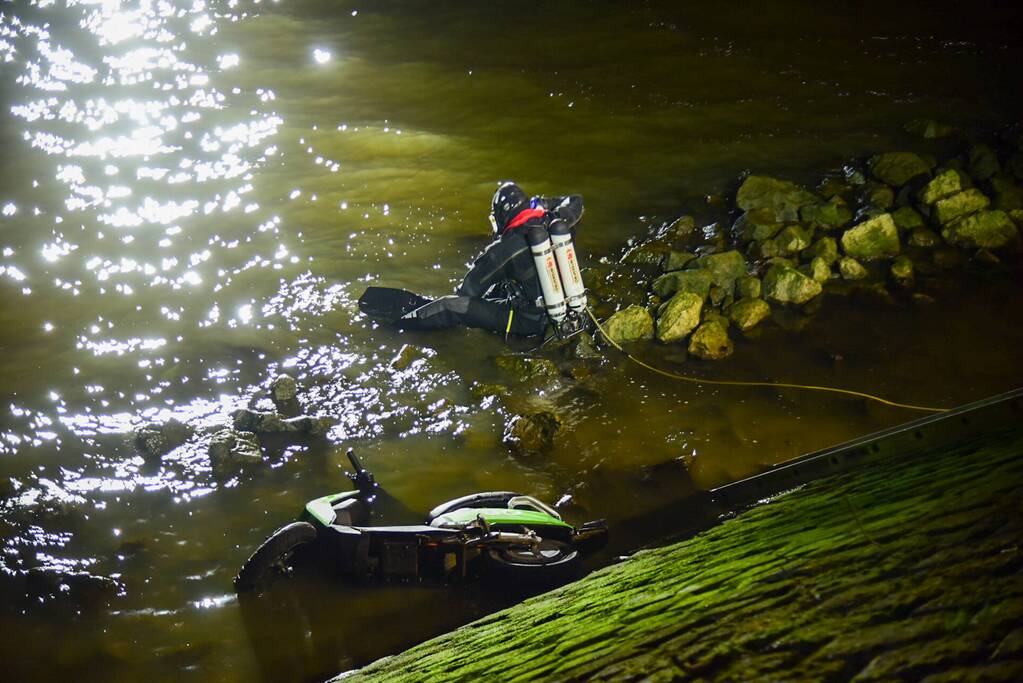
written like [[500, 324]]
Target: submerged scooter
[[498, 534]]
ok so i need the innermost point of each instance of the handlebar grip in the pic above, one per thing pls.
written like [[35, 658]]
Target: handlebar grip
[[354, 460]]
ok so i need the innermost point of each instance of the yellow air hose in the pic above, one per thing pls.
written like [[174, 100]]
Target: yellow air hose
[[775, 385]]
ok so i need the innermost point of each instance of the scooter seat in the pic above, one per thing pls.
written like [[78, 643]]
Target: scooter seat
[[488, 499]]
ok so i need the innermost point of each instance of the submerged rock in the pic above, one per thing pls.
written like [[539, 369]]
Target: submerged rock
[[928, 129], [983, 162], [851, 269], [945, 184], [154, 440], [922, 237], [828, 215], [406, 356], [747, 287], [524, 368], [747, 313], [757, 225], [695, 281], [677, 260], [678, 317], [284, 395], [959, 205], [259, 421], [873, 239], [724, 268], [781, 197], [231, 450], [76, 590], [991, 229], [825, 248], [1008, 195], [711, 342], [532, 433], [786, 285], [898, 168], [907, 218], [817, 269], [793, 239], [629, 325], [902, 271]]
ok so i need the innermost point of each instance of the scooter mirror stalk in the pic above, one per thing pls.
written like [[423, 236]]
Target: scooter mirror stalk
[[363, 478]]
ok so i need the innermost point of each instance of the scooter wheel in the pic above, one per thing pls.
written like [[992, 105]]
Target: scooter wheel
[[271, 557], [552, 561]]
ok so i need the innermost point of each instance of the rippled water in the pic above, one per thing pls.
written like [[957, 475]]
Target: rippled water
[[194, 194]]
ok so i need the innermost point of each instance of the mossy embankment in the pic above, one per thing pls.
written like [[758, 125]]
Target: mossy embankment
[[906, 569]]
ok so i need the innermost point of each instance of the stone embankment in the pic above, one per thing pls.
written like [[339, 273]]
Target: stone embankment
[[908, 569]]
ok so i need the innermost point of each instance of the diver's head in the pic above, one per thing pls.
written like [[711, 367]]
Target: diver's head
[[509, 201]]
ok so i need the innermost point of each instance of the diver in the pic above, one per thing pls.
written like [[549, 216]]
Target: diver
[[505, 291]]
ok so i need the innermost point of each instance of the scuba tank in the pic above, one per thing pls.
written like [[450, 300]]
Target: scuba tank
[[547, 270], [568, 265]]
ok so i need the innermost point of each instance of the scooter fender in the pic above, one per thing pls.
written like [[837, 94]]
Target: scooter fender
[[325, 509]]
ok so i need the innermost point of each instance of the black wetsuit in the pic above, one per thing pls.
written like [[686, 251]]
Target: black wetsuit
[[501, 284]]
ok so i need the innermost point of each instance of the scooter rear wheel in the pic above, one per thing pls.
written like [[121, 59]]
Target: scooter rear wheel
[[552, 561], [271, 558]]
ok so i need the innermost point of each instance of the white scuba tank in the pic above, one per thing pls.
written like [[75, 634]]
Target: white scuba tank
[[547, 270], [568, 265]]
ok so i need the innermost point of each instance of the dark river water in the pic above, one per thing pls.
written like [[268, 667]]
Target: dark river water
[[195, 193]]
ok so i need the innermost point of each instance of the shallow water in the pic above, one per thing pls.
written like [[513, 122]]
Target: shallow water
[[194, 194]]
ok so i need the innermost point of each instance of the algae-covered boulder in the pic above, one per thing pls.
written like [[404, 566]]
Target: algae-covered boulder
[[990, 229], [711, 342], [649, 253], [983, 162], [959, 205], [406, 356], [828, 215], [747, 287], [676, 260], [875, 198], [928, 129], [696, 281], [756, 225], [747, 313], [872, 239], [825, 248], [532, 433], [156, 439], [945, 184], [922, 237], [907, 218], [793, 239], [902, 271], [679, 316], [524, 368], [724, 268], [781, 197], [898, 168], [851, 269], [817, 269], [231, 450], [786, 285], [629, 325]]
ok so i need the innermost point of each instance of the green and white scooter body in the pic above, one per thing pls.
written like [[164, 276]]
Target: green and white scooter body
[[322, 509], [498, 516]]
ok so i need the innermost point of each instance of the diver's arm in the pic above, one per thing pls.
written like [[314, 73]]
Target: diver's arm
[[484, 271], [569, 209]]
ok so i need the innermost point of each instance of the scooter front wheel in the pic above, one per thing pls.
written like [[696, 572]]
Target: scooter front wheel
[[551, 561], [271, 558]]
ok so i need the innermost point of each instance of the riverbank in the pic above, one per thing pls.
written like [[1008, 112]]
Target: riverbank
[[906, 569]]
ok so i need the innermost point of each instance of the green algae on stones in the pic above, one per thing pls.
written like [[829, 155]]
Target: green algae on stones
[[696, 281], [678, 317], [828, 215], [873, 239], [786, 285], [532, 433], [747, 313], [945, 184], [747, 287], [851, 269], [676, 260], [781, 197], [710, 341], [959, 205], [907, 218], [902, 271], [922, 237], [990, 229], [630, 325], [724, 268], [825, 248], [817, 269], [525, 369], [898, 168], [756, 225], [792, 239]]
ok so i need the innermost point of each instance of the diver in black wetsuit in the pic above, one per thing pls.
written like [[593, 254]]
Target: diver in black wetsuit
[[501, 291]]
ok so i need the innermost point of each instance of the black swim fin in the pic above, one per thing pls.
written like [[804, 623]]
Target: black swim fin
[[389, 303]]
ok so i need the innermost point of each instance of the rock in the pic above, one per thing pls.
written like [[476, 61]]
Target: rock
[[922, 237], [681, 229], [676, 260], [584, 348], [629, 325], [990, 229], [710, 342], [873, 239], [875, 196], [696, 281], [724, 268], [832, 187], [959, 205], [678, 317], [532, 433], [262, 422], [781, 197], [945, 184], [906, 218], [828, 215], [231, 450], [825, 248], [524, 368], [649, 253], [285, 388], [786, 285], [928, 129], [853, 175], [898, 168], [483, 390], [747, 287], [406, 356], [1008, 195], [756, 225], [948, 258], [983, 162], [817, 269], [154, 440], [747, 313], [718, 295], [902, 271], [987, 257], [793, 239], [618, 287], [711, 315], [1017, 217], [851, 269]]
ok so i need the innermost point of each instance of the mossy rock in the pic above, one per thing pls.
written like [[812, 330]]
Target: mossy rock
[[982, 162], [781, 197], [876, 196], [828, 215], [696, 281], [676, 260], [990, 229], [747, 313], [922, 237], [793, 239], [898, 168], [757, 225], [817, 269], [902, 271], [873, 239], [786, 285], [929, 129], [532, 433], [945, 184], [649, 253], [629, 325], [907, 218], [678, 317], [959, 205], [724, 268], [747, 287], [851, 269], [681, 229], [710, 341], [524, 368], [825, 248]]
